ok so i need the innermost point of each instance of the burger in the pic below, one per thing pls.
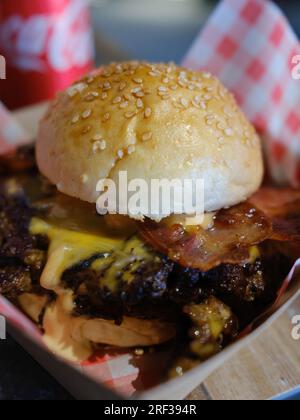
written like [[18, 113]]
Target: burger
[[143, 279]]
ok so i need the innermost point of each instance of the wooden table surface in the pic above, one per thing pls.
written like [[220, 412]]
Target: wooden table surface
[[270, 366]]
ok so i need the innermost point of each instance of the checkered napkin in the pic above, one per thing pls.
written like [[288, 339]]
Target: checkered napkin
[[251, 47]]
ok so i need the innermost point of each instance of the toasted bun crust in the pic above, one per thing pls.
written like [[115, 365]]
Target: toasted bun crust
[[155, 122]]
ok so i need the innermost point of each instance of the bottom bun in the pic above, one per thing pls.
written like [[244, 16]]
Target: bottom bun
[[74, 338], [133, 332]]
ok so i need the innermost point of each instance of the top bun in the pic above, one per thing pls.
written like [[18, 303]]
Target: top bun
[[155, 121]]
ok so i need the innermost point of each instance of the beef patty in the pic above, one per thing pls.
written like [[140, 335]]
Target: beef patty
[[159, 289]]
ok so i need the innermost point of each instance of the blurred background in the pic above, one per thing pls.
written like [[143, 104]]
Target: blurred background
[[48, 44], [156, 29]]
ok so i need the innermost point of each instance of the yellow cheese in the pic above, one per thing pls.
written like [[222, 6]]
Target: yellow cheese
[[68, 248], [254, 253], [206, 221]]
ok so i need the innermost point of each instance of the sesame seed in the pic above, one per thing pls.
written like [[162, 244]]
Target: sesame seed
[[140, 103], [91, 96], [165, 97], [131, 149], [136, 90], [118, 69], [174, 87], [191, 87], [107, 86], [148, 112], [203, 105], [79, 87], [138, 81], [104, 95], [124, 105], [130, 114], [117, 100], [166, 80], [127, 96], [86, 114], [221, 126], [177, 105], [75, 119], [197, 99], [99, 146], [207, 97], [206, 75], [147, 136], [90, 80], [72, 92], [229, 132], [140, 94], [153, 74], [86, 129], [106, 117], [97, 137], [120, 154], [163, 89], [184, 102], [139, 352], [182, 83], [122, 86]]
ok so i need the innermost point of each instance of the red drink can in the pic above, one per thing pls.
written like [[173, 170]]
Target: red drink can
[[47, 44]]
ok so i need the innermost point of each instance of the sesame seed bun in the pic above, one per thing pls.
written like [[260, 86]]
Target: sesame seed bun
[[155, 122]]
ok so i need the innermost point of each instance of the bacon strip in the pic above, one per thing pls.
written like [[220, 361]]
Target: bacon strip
[[282, 206], [271, 214], [234, 231]]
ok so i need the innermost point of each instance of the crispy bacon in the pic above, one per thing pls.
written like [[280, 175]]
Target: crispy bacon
[[228, 241], [282, 206], [271, 214]]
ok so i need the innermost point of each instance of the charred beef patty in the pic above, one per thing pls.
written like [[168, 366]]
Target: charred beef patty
[[161, 292], [158, 289]]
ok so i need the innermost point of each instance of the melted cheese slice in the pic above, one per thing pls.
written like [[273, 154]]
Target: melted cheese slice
[[68, 248]]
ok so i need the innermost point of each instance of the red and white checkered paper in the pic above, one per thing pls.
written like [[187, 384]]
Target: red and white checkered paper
[[249, 45]]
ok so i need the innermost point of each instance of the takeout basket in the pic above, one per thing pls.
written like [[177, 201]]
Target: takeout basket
[[249, 45]]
